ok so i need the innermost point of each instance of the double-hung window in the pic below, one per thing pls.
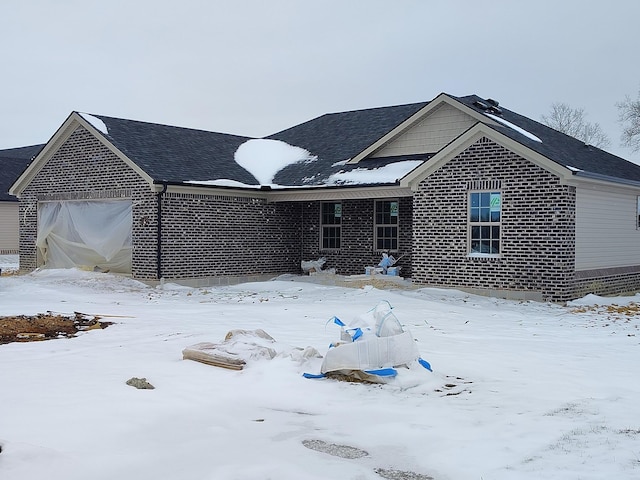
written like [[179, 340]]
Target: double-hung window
[[386, 225], [484, 222], [331, 222]]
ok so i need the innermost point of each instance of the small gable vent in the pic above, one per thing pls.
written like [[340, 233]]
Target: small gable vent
[[484, 185]]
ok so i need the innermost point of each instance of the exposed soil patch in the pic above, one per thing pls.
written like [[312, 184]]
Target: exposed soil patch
[[45, 326], [393, 474], [456, 388], [630, 310], [342, 451]]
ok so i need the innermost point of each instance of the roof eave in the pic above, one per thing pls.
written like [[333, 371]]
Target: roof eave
[[290, 193], [339, 192], [600, 178]]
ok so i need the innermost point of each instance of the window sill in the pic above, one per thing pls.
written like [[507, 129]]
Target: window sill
[[484, 255]]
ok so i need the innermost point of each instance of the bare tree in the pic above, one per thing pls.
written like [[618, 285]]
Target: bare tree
[[572, 121], [629, 117]]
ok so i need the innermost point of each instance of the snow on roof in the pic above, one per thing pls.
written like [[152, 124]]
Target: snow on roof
[[573, 169], [221, 182], [224, 182], [95, 122], [358, 176], [386, 174], [514, 127], [265, 158]]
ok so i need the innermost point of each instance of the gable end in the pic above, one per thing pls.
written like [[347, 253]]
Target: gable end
[[68, 128], [471, 136], [429, 134]]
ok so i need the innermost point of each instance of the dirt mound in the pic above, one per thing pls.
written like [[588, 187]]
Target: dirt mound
[[46, 326]]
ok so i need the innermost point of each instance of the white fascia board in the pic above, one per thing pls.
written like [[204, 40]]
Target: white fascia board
[[594, 181], [468, 138], [212, 190], [418, 116], [293, 194], [347, 193]]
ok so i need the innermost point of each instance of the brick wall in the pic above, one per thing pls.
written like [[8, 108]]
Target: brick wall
[[537, 231], [608, 281], [83, 168], [209, 236], [202, 235], [224, 236], [357, 250]]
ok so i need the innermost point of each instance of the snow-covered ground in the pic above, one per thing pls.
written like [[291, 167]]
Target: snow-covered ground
[[518, 390], [9, 263]]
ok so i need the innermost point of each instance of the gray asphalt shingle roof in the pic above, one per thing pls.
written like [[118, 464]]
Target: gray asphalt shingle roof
[[176, 154], [559, 147], [13, 162], [337, 137]]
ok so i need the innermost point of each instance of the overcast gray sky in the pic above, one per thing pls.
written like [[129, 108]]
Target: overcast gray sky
[[256, 67]]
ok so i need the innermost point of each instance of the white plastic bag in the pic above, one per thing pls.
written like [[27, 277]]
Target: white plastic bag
[[372, 353], [312, 265], [362, 347]]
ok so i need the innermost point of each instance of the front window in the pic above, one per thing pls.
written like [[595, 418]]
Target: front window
[[331, 220], [386, 225], [484, 222]]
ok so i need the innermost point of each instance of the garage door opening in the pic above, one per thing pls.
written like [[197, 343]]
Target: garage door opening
[[91, 235]]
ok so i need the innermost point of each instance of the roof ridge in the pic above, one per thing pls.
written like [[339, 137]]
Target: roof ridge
[[411, 104], [144, 122], [347, 112]]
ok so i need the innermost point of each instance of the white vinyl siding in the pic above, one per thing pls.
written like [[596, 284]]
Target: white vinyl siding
[[8, 226], [606, 233], [430, 134]]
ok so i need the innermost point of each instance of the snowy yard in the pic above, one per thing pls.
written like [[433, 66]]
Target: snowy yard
[[518, 390], [9, 263]]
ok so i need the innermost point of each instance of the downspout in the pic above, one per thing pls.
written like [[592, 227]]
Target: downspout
[[159, 232], [302, 229]]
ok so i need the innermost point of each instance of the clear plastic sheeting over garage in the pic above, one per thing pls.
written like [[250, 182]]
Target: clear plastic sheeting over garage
[[89, 234]]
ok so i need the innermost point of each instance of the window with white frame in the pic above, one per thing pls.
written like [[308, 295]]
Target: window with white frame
[[386, 225], [484, 222], [330, 225]]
